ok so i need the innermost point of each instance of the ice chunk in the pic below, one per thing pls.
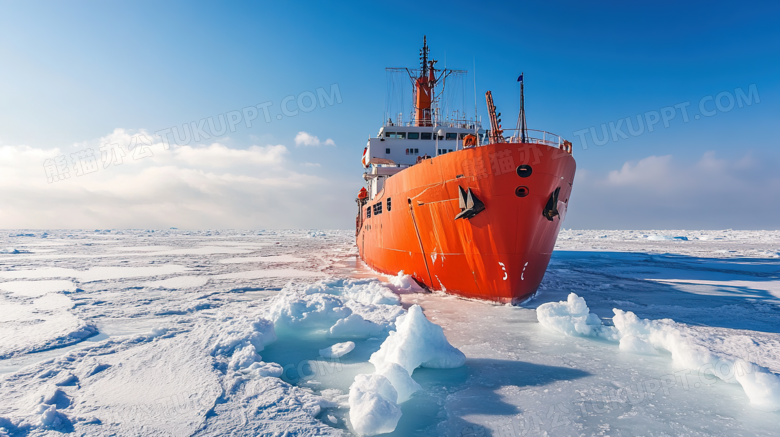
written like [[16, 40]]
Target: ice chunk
[[663, 335], [761, 386], [335, 396], [244, 357], [158, 331], [417, 342], [325, 303], [262, 369], [648, 336], [238, 332], [354, 326], [372, 405], [383, 315], [293, 309], [404, 283], [365, 291], [401, 380], [572, 317], [52, 419], [632, 343], [371, 292], [327, 286], [337, 350]]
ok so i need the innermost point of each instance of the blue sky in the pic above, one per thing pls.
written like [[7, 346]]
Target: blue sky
[[73, 73]]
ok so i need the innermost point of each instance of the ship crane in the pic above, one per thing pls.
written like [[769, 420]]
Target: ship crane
[[496, 133]]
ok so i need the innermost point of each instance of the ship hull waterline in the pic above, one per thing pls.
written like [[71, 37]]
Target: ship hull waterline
[[500, 254]]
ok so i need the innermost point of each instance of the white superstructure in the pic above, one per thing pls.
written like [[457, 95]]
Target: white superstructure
[[397, 147]]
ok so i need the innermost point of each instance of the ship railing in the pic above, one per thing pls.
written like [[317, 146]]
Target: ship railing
[[535, 136], [462, 124]]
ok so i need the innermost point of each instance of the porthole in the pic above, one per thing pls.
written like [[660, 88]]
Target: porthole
[[524, 171], [521, 191]]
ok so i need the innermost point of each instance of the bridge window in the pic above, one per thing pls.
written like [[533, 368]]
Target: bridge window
[[368, 212], [397, 135], [389, 134], [452, 136], [414, 135], [426, 135], [387, 151]]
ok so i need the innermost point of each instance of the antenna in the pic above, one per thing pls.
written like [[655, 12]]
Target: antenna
[[475, 94], [424, 57], [521, 124]]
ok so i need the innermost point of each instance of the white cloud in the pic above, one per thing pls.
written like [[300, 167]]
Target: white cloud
[[662, 192], [652, 169], [306, 139], [187, 187]]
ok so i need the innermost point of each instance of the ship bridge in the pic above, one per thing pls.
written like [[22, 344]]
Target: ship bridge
[[398, 146]]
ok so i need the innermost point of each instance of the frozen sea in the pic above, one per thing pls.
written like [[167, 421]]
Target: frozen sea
[[172, 332]]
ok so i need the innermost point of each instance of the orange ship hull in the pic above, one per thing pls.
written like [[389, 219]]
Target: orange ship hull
[[500, 254]]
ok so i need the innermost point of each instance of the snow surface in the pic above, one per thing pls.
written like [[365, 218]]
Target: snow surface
[[36, 288], [145, 332]]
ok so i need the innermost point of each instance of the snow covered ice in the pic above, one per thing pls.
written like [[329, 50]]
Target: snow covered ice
[[142, 332], [573, 317]]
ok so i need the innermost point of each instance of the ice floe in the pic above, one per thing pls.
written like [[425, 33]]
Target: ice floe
[[373, 407], [643, 336], [337, 350], [264, 259], [279, 273], [179, 282], [38, 324], [37, 288], [93, 274]]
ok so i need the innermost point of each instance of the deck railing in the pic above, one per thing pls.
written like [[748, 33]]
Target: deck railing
[[535, 136], [463, 124]]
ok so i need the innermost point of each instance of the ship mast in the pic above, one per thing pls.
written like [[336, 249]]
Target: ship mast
[[423, 87], [521, 125]]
